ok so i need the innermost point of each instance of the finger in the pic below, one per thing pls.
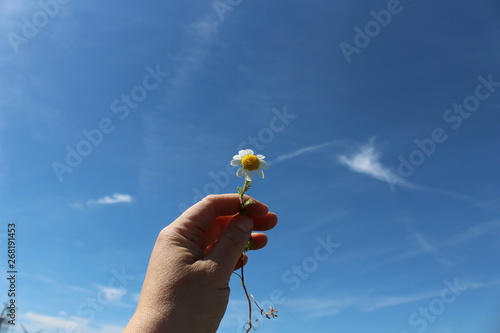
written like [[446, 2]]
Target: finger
[[203, 214], [230, 245], [259, 241], [260, 224], [266, 222], [242, 261]]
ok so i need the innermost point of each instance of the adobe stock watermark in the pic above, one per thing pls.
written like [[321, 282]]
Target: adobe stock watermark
[[363, 37], [95, 136], [453, 117], [223, 6], [258, 142], [88, 309], [31, 25], [425, 315], [293, 277]]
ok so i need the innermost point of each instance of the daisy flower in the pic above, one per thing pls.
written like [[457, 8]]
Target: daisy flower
[[249, 163]]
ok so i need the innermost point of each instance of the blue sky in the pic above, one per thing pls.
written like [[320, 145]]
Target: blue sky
[[379, 120]]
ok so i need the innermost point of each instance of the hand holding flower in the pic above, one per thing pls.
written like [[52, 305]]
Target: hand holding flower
[[186, 285]]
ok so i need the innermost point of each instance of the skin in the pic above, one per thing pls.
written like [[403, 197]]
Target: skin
[[186, 288]]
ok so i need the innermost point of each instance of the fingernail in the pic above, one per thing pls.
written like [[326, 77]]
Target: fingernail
[[244, 223]]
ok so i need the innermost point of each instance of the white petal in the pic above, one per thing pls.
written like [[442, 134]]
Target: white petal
[[241, 172], [235, 162], [249, 175], [260, 157], [263, 164], [242, 152], [249, 152], [236, 157], [261, 173]]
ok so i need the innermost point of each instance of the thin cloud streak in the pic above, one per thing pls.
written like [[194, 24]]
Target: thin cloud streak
[[426, 246], [388, 301], [309, 149], [313, 308], [328, 307], [34, 322], [37, 321], [486, 228], [458, 239]]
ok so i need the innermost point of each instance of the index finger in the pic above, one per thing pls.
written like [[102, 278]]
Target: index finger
[[203, 214]]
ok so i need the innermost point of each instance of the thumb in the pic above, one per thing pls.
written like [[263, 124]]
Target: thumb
[[231, 243]]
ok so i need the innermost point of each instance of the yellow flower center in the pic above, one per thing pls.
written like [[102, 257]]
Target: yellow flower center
[[250, 162]]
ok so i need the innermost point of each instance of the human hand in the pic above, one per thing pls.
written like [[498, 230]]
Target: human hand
[[186, 288]]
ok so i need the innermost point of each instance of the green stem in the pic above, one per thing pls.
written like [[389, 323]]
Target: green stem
[[250, 325], [243, 190]]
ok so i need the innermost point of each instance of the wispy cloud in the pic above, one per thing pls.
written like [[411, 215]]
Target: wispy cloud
[[388, 301], [111, 200], [112, 294], [313, 308], [472, 233], [202, 33], [34, 322], [428, 247], [329, 307], [318, 307], [309, 149], [367, 161]]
